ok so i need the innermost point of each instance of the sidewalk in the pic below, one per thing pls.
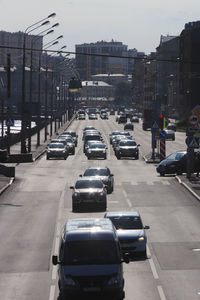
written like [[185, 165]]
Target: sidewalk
[[36, 151], [192, 184]]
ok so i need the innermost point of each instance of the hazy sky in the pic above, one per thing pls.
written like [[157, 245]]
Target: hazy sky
[[138, 24]]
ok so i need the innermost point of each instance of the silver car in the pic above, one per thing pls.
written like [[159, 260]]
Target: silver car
[[130, 230]]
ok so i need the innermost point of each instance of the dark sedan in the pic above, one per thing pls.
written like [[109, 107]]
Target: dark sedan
[[127, 148], [175, 163], [130, 230], [55, 150], [89, 192], [128, 125], [102, 173]]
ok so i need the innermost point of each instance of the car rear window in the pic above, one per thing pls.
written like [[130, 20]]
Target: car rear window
[[127, 222], [85, 184]]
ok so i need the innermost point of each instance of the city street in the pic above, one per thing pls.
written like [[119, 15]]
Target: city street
[[36, 206]]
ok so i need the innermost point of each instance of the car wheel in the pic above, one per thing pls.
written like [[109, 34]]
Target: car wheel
[[121, 296], [144, 254], [137, 157], [179, 172], [47, 158], [103, 207], [74, 207], [65, 157], [118, 157], [88, 157], [162, 174], [105, 157], [73, 152]]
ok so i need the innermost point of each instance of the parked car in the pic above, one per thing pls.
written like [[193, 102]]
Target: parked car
[[90, 260], [130, 230], [175, 163], [128, 125], [55, 150], [102, 173], [127, 148], [89, 192], [96, 150]]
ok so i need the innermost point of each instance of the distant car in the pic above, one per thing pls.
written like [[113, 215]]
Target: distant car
[[89, 192], [122, 119], [127, 148], [81, 117], [113, 134], [74, 136], [134, 119], [170, 134], [102, 173], [128, 125], [104, 116], [89, 128], [175, 163], [171, 126], [70, 143], [55, 150], [96, 150], [130, 230], [112, 112], [92, 117]]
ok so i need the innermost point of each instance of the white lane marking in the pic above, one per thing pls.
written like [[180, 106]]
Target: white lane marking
[[113, 201], [58, 229], [161, 293], [129, 202], [124, 193], [56, 247], [54, 273], [152, 265], [52, 292]]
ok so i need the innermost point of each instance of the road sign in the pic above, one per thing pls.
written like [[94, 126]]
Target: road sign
[[193, 119], [162, 134], [10, 122], [192, 142], [154, 125], [192, 129]]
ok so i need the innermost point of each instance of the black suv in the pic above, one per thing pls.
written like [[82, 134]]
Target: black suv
[[90, 260]]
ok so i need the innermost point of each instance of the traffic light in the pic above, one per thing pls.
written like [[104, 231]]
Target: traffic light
[[161, 121]]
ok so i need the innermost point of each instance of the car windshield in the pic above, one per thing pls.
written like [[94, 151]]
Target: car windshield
[[126, 222], [96, 145], [86, 184], [91, 252], [174, 156], [71, 133], [95, 172], [56, 145], [127, 143]]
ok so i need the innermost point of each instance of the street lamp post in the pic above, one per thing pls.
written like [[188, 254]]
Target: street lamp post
[[23, 110]]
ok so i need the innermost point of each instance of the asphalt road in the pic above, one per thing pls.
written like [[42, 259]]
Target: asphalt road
[[34, 209]]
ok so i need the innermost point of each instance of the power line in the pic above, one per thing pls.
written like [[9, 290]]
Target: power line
[[145, 57]]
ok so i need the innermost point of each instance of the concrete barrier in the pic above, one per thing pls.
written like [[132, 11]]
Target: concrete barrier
[[20, 158], [7, 171]]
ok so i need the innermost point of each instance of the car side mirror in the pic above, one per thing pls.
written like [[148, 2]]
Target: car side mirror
[[111, 175], [126, 258], [146, 227], [55, 260], [80, 175], [71, 187], [138, 145]]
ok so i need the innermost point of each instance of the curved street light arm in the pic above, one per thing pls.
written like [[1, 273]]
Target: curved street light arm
[[49, 16]]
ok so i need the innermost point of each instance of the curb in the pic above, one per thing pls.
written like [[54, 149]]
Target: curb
[[7, 185], [187, 187]]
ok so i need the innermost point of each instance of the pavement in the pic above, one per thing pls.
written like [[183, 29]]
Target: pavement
[[192, 184], [36, 151]]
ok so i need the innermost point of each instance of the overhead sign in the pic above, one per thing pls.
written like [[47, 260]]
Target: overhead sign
[[193, 119], [192, 142], [154, 125], [10, 122], [162, 134]]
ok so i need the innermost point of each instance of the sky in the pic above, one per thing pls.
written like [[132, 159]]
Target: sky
[[137, 24]]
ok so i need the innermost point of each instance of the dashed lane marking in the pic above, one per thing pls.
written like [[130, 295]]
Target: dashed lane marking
[[161, 293], [152, 265], [52, 292]]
